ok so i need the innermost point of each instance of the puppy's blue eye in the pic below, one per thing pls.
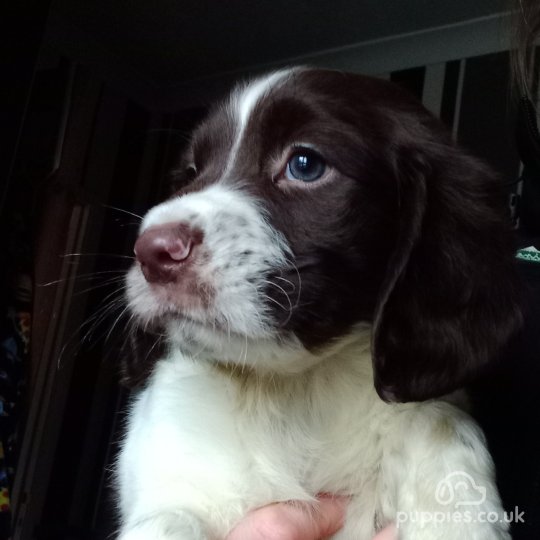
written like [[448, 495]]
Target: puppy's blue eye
[[305, 165]]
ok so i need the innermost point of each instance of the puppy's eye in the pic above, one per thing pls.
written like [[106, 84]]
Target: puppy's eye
[[180, 178], [305, 165]]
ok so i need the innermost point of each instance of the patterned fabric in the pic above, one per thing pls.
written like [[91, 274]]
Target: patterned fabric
[[14, 350]]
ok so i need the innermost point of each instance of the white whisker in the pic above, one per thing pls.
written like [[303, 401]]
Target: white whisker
[[122, 210]]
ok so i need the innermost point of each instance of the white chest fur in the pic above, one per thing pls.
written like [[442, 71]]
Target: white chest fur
[[214, 444]]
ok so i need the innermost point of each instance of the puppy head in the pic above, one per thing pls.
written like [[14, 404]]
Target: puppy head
[[313, 202]]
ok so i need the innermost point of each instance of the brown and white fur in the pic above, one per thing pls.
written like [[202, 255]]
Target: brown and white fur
[[330, 265]]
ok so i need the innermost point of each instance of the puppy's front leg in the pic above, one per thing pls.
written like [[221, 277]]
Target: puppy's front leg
[[181, 468], [439, 477], [177, 525]]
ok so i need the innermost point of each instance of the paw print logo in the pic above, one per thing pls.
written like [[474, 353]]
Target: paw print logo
[[459, 488]]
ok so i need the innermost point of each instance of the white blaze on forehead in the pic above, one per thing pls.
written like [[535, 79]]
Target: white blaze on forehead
[[249, 97], [243, 102]]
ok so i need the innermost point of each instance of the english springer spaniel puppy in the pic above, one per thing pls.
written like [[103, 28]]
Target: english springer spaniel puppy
[[331, 265]]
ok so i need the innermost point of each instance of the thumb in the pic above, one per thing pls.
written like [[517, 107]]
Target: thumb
[[329, 516], [292, 521], [389, 533]]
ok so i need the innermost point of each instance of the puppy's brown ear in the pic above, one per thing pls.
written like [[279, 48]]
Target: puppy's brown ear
[[450, 301], [140, 353]]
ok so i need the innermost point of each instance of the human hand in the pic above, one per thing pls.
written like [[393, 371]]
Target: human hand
[[388, 533], [283, 521]]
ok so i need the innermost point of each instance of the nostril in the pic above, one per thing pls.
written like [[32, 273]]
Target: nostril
[[161, 251], [179, 250], [163, 257]]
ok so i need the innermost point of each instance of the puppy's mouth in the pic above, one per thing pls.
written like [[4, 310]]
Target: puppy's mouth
[[177, 283], [183, 296]]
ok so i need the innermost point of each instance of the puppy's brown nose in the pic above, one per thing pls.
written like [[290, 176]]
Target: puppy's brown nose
[[163, 250]]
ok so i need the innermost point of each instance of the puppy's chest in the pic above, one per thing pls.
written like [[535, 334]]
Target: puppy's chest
[[294, 437], [315, 444]]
